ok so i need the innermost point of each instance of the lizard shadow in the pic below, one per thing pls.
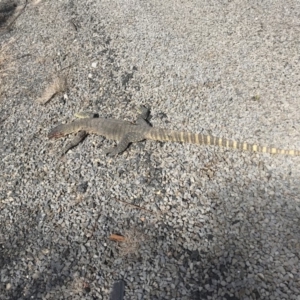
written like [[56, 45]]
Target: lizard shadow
[[7, 9], [25, 249], [234, 240]]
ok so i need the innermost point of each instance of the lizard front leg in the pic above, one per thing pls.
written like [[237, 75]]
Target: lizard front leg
[[81, 135]]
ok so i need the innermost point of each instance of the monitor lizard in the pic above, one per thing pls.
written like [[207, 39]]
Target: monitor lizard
[[126, 133]]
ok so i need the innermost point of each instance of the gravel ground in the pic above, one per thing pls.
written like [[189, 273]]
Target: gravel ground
[[199, 222]]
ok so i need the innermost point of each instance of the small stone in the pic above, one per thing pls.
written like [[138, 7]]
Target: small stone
[[261, 276], [223, 283], [36, 275]]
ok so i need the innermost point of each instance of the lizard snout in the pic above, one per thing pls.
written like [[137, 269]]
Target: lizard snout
[[54, 133]]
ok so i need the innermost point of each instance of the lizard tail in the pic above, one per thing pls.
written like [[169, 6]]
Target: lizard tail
[[160, 134]]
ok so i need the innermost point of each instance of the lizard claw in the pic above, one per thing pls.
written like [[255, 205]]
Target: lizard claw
[[144, 111], [110, 152]]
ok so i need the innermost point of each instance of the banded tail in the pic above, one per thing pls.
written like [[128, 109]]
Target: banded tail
[[160, 134]]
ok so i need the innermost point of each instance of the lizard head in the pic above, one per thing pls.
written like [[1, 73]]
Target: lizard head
[[55, 133]]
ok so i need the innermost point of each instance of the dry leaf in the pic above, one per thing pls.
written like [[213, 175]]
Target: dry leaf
[[59, 84]]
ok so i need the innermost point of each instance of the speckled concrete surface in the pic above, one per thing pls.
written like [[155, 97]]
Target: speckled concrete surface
[[200, 222]]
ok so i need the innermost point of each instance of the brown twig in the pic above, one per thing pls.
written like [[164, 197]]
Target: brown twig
[[135, 206], [117, 238]]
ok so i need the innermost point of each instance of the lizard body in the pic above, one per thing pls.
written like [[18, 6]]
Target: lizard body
[[126, 133]]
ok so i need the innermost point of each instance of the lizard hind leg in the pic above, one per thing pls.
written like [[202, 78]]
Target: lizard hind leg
[[144, 112], [129, 138], [142, 118]]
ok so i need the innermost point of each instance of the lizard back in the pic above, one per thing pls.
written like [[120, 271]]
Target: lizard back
[[110, 128]]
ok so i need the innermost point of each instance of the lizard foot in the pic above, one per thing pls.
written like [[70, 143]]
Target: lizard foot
[[111, 152]]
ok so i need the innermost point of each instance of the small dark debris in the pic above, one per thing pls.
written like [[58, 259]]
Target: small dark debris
[[210, 237], [235, 222], [117, 292], [126, 78], [228, 297], [82, 187], [194, 255], [87, 288]]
